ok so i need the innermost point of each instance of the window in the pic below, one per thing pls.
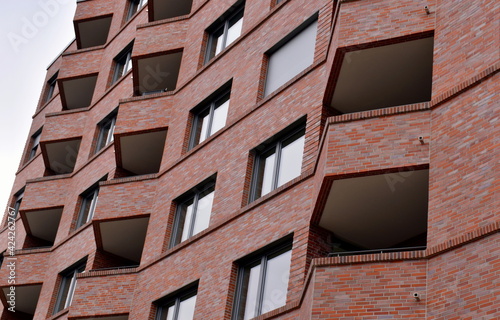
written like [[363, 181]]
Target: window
[[35, 142], [68, 286], [291, 56], [210, 118], [263, 282], [193, 212], [123, 63], [106, 130], [225, 31], [178, 306], [51, 86], [88, 204], [134, 7], [18, 199], [278, 162]]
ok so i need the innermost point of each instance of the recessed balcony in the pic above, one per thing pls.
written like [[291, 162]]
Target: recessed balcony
[[77, 92], [26, 299], [41, 225], [377, 212], [92, 32], [60, 156], [157, 73], [123, 238], [384, 76], [140, 153], [166, 9]]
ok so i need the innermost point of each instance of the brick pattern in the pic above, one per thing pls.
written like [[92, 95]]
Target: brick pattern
[[459, 125]]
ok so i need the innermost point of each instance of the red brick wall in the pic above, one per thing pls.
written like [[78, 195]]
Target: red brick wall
[[461, 149]]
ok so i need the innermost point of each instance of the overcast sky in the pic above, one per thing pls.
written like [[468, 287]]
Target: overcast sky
[[32, 34]]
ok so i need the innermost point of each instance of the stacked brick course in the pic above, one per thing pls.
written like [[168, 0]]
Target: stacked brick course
[[457, 275]]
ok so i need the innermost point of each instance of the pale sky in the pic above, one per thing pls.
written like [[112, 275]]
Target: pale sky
[[32, 34]]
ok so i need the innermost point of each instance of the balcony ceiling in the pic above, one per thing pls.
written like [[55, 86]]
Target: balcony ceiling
[[62, 155], [124, 237], [93, 32], [158, 72], [142, 153], [26, 297], [165, 9], [385, 76], [43, 224], [378, 211], [78, 92]]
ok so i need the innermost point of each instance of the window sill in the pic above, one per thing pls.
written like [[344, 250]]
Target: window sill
[[59, 314]]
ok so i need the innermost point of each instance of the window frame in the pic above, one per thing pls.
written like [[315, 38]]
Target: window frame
[[51, 87], [314, 19], [122, 63], [70, 275], [211, 105], [18, 199], [174, 299], [276, 143], [206, 187], [35, 144], [260, 257], [102, 141], [92, 195], [229, 19], [134, 7]]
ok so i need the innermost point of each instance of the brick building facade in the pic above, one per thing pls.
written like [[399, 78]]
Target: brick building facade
[[278, 159]]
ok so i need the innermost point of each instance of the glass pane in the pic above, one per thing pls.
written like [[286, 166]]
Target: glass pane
[[119, 70], [63, 293], [220, 115], [265, 178], [186, 309], [128, 64], [291, 160], [188, 216], [249, 293], [276, 282], [218, 42], [203, 211], [84, 210], [167, 312], [92, 207], [203, 127], [234, 32], [291, 58], [71, 291]]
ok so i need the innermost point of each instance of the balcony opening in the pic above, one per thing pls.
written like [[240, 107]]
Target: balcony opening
[[92, 32], [166, 9], [384, 76], [41, 227], [26, 299], [157, 73], [120, 242], [77, 93], [379, 212], [60, 157], [140, 153]]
